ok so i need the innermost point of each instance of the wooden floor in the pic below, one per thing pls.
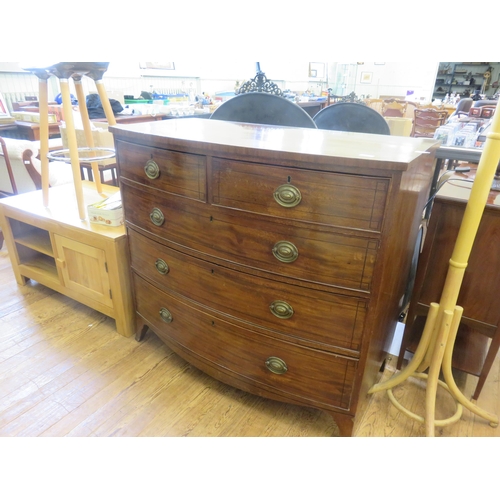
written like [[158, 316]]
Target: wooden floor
[[64, 371]]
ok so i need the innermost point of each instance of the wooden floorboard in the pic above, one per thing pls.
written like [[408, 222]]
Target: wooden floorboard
[[65, 371]]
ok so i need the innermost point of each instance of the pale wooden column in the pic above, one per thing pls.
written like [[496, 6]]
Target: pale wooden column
[[82, 105]]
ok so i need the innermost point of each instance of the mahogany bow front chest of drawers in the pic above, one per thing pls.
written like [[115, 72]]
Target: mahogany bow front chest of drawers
[[274, 259]]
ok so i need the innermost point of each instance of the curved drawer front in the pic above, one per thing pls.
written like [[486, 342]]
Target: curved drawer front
[[322, 256], [310, 317], [171, 171], [304, 374], [327, 198]]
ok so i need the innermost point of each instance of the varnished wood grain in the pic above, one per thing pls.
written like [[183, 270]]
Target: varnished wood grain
[[65, 371]]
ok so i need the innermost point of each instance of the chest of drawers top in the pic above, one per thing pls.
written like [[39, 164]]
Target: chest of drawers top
[[307, 148]]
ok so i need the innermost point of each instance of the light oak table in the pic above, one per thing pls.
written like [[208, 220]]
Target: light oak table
[[87, 262]]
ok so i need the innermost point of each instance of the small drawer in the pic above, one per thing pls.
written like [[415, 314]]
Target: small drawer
[[303, 315], [333, 199], [321, 255], [172, 171], [306, 375]]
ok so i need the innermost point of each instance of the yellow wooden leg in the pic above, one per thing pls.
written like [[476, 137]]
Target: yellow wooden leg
[[87, 129], [73, 146], [108, 111], [44, 137]]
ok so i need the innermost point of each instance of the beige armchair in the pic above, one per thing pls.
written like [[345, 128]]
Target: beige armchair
[[20, 169]]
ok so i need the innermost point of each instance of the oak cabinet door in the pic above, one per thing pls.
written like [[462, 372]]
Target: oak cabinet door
[[83, 269]]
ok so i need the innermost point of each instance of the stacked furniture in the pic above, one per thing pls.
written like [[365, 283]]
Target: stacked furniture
[[273, 258]]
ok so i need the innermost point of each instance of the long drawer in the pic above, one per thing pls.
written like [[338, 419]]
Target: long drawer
[[321, 197], [172, 171], [303, 315], [307, 375], [293, 250]]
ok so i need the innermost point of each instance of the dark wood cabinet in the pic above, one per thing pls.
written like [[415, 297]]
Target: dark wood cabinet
[[273, 258]]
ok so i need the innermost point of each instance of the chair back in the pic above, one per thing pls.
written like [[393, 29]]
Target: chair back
[[351, 117], [375, 104], [427, 120], [267, 109], [394, 108], [463, 107]]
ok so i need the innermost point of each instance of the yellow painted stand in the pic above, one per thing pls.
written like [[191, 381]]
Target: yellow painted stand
[[435, 349]]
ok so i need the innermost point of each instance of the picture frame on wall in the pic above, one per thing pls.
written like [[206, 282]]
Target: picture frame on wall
[[157, 65], [366, 77], [317, 70]]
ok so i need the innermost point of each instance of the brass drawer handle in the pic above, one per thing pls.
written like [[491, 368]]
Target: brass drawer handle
[[162, 266], [287, 195], [152, 170], [285, 251], [156, 216], [166, 315], [281, 309], [276, 365]]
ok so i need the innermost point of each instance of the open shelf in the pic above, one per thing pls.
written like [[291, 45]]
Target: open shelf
[[32, 237]]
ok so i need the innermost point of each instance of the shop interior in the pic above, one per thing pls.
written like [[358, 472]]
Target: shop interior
[[83, 146]]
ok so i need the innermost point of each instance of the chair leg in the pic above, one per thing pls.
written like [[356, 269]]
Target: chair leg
[[488, 363]]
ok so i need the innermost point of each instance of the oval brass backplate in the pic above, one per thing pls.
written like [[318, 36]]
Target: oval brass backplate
[[281, 309], [152, 170], [287, 195], [157, 217], [166, 315], [161, 266], [285, 251], [276, 365]]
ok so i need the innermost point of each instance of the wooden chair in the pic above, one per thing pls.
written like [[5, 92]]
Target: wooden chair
[[375, 104], [351, 117], [394, 108], [427, 120]]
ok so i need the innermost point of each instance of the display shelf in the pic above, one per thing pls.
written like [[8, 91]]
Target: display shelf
[[448, 73]]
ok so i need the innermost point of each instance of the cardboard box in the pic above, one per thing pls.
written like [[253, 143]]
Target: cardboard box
[[31, 116], [108, 212]]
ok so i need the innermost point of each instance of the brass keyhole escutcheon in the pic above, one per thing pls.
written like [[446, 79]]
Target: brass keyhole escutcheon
[[152, 170], [166, 315], [276, 365], [285, 251], [281, 309], [157, 217], [287, 195], [161, 266]]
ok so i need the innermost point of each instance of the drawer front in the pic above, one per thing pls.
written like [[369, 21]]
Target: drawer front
[[282, 367], [326, 198], [303, 315], [178, 173], [323, 256]]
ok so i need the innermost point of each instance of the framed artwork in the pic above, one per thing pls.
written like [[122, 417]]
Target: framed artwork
[[316, 70], [366, 77], [157, 65]]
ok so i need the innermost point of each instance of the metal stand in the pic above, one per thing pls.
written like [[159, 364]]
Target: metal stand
[[435, 349]]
